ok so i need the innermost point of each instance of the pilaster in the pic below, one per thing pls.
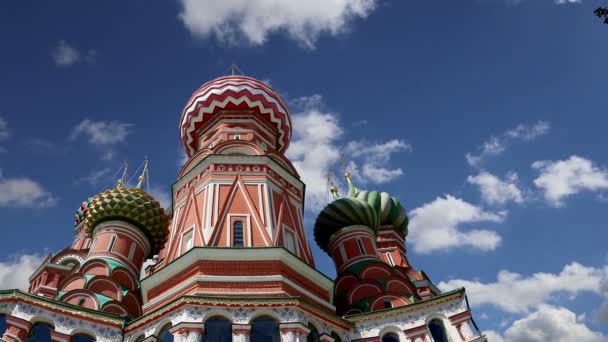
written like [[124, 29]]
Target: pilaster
[[461, 323], [418, 334], [326, 338], [188, 332], [293, 332], [16, 329], [241, 332]]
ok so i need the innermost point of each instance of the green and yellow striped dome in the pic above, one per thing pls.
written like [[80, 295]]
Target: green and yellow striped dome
[[131, 205], [343, 212]]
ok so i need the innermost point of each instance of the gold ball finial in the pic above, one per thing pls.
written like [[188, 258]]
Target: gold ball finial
[[347, 176], [333, 189]]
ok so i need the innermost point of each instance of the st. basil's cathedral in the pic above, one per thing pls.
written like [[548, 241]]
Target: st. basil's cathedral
[[231, 260]]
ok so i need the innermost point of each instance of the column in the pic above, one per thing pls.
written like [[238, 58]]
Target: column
[[16, 329], [59, 337], [293, 332], [188, 332], [461, 323], [417, 334], [241, 332]]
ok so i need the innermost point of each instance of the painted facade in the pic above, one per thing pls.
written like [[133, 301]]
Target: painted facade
[[230, 260]]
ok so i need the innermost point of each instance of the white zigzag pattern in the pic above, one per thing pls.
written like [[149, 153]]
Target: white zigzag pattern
[[222, 104]]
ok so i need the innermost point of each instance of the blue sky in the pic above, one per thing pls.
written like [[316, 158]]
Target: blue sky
[[406, 89]]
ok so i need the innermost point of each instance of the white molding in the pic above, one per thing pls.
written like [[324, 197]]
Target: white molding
[[236, 255]]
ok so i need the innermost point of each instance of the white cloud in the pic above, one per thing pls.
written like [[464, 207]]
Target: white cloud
[[563, 2], [102, 133], [530, 291], [254, 20], [496, 191], [14, 273], [498, 144], [24, 193], [65, 55], [95, 176], [316, 145], [548, 323], [438, 226], [562, 178], [313, 151], [374, 158]]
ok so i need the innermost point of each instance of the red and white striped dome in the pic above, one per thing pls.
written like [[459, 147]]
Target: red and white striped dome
[[234, 92]]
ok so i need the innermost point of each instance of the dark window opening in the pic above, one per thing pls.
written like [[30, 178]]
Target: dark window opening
[[390, 337], [360, 244], [388, 304], [82, 338], [313, 335], [335, 336], [165, 335], [40, 332], [265, 329], [218, 330], [81, 301], [438, 331], [237, 239]]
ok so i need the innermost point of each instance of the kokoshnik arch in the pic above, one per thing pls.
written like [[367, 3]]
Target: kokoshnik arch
[[232, 261]]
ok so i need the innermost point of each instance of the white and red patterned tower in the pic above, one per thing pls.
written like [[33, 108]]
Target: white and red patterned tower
[[237, 190]]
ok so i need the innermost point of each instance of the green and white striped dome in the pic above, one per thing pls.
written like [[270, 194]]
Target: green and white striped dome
[[390, 211], [343, 212]]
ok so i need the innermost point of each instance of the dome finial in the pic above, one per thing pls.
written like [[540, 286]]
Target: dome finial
[[352, 189], [144, 174], [332, 187], [121, 181]]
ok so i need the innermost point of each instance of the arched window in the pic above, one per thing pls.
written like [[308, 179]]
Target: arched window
[[83, 338], [40, 332], [2, 324], [218, 329], [336, 337], [361, 247], [237, 234], [140, 338], [165, 335], [265, 329], [112, 242], [437, 331], [390, 337], [313, 335]]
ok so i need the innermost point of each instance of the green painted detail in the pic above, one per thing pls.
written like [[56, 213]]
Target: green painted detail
[[102, 299], [88, 277], [390, 211], [134, 206], [342, 213]]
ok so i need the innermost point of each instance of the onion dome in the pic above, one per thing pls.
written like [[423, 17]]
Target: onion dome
[[132, 205], [233, 93], [390, 211], [341, 213]]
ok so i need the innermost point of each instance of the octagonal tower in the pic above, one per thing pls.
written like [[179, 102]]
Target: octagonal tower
[[237, 202]]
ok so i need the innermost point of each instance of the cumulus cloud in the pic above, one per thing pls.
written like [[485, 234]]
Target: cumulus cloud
[[562, 178], [313, 150], [374, 159], [548, 323], [530, 291], [496, 191], [438, 225], [254, 20], [162, 195], [24, 193], [102, 134], [65, 55], [496, 145], [14, 273], [317, 145]]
